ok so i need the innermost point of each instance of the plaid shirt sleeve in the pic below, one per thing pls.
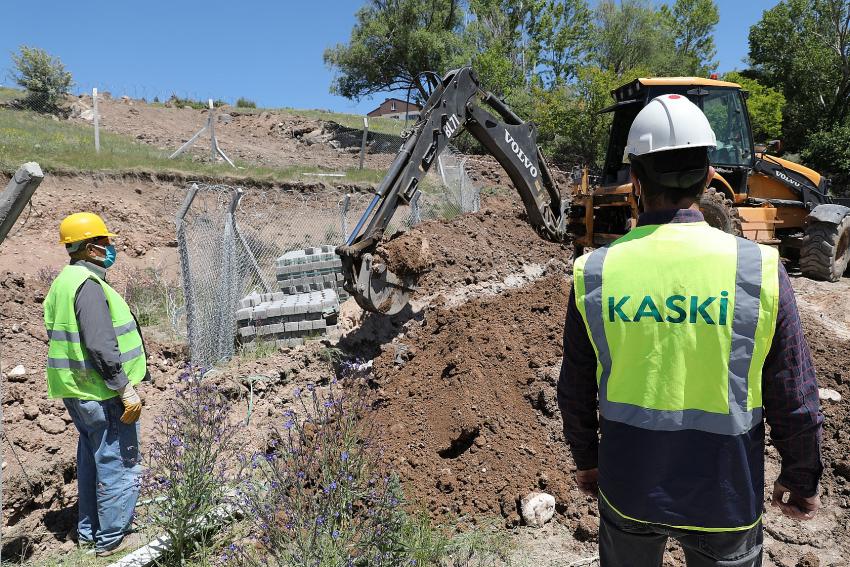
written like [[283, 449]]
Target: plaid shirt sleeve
[[790, 398], [577, 390]]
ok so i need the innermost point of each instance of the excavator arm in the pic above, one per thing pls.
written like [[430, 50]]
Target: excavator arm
[[456, 103]]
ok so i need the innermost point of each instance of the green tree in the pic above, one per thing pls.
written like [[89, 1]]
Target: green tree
[[497, 43], [764, 104], [393, 43], [632, 34], [802, 48], [570, 127], [692, 23], [43, 76], [829, 152], [560, 37]]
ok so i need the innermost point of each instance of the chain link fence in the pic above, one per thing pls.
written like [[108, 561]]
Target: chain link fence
[[230, 238]]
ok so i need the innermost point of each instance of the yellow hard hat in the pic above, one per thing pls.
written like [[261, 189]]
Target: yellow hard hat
[[81, 226]]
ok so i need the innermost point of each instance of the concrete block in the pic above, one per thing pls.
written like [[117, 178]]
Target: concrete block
[[318, 324], [273, 310], [304, 325], [259, 312], [247, 332], [244, 314], [290, 327]]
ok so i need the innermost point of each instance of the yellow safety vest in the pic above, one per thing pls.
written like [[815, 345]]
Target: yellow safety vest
[[681, 316], [70, 374]]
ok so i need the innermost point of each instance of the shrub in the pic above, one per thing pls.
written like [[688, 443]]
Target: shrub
[[245, 103], [187, 476], [828, 151], [318, 497], [152, 298], [179, 102], [43, 76]]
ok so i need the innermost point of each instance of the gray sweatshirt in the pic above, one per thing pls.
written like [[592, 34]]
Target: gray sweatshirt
[[96, 331]]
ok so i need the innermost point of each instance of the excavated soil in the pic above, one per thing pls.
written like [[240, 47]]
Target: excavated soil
[[464, 378], [267, 138], [466, 394]]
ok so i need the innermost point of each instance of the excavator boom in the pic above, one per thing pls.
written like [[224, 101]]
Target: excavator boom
[[457, 103]]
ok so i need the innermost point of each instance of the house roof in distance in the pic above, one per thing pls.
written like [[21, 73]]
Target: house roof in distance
[[386, 107]]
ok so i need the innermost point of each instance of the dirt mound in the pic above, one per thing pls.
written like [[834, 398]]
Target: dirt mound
[[266, 138], [474, 249], [468, 412]]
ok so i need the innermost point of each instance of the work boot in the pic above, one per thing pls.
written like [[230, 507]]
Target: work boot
[[128, 542]]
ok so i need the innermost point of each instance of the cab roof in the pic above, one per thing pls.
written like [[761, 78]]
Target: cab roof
[[632, 89], [696, 81]]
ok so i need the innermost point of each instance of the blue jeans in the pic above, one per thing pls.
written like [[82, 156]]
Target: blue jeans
[[627, 543], [108, 471]]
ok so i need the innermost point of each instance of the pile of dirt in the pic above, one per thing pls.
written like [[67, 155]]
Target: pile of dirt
[[468, 412], [474, 250]]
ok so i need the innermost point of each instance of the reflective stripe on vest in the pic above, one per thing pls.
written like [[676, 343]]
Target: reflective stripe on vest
[[69, 372], [742, 379]]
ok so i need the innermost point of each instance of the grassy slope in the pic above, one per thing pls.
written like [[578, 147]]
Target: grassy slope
[[377, 125], [63, 146]]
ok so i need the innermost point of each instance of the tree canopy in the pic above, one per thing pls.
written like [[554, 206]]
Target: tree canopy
[[393, 43], [556, 61]]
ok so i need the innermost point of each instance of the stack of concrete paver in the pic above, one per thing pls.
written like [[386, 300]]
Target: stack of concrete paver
[[311, 269], [287, 319], [307, 305]]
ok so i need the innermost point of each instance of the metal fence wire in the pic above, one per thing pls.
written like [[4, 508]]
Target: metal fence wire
[[231, 238]]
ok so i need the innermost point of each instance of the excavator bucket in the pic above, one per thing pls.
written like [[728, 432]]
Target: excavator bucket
[[378, 289]]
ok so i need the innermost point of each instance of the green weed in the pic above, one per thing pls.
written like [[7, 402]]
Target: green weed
[[59, 145]]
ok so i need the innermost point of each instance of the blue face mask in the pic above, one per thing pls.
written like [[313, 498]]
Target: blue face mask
[[109, 250]]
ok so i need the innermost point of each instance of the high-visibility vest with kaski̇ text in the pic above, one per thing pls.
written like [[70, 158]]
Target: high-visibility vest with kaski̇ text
[[682, 317], [70, 373]]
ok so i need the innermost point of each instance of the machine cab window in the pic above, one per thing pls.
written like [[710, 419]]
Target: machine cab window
[[725, 112]]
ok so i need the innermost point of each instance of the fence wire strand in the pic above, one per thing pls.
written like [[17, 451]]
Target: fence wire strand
[[230, 238]]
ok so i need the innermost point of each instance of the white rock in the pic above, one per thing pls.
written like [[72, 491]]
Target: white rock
[[829, 394], [19, 370], [87, 115], [537, 508]]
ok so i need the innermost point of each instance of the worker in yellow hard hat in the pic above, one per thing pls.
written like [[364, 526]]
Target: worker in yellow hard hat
[[95, 359]]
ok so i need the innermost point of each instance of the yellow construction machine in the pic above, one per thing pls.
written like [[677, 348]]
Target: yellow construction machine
[[764, 198], [761, 197]]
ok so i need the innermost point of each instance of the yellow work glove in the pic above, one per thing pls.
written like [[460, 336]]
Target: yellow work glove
[[132, 404]]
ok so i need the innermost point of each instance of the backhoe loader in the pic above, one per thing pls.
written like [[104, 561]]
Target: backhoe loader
[[760, 197]]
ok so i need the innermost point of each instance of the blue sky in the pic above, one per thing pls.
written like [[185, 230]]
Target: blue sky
[[268, 51]]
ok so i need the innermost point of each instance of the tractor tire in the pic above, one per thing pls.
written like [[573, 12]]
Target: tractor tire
[[720, 212], [826, 250]]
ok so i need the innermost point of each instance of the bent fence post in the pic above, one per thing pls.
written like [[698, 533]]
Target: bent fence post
[[17, 194], [185, 270], [364, 141], [96, 118]]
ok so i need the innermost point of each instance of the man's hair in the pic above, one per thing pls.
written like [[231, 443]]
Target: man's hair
[[78, 248], [672, 175]]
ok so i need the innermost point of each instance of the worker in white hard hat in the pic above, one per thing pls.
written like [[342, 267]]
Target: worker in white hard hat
[[96, 357], [685, 338]]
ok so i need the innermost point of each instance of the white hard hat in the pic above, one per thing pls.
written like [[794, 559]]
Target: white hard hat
[[669, 122]]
